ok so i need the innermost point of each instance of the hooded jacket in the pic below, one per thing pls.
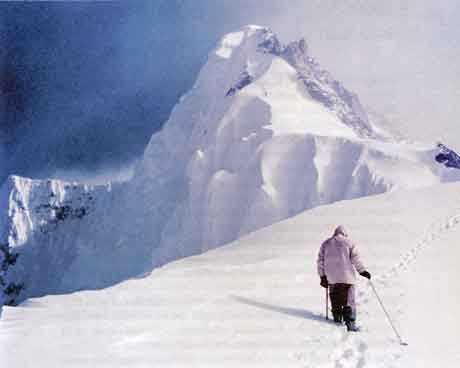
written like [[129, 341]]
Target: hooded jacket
[[338, 258]]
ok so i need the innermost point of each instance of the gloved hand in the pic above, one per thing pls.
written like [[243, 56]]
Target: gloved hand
[[324, 282], [365, 274]]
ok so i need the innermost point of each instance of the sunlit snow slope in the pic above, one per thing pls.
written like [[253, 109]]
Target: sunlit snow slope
[[257, 302], [263, 135]]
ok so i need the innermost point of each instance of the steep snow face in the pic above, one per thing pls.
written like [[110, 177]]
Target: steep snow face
[[253, 145], [263, 135], [68, 236], [323, 88], [45, 224]]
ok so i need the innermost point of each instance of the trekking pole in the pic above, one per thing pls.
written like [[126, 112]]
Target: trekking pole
[[327, 303], [388, 316]]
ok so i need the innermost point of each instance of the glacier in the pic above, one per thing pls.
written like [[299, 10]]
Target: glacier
[[263, 135]]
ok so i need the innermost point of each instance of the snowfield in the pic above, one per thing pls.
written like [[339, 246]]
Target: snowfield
[[257, 301]]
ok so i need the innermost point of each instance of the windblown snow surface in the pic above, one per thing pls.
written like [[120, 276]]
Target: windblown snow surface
[[257, 301], [264, 135]]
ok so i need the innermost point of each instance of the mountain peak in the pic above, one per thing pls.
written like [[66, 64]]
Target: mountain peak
[[244, 50]]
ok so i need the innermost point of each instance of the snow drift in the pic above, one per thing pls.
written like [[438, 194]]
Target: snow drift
[[264, 134]]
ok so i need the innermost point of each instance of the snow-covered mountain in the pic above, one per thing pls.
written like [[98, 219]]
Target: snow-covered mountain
[[263, 135]]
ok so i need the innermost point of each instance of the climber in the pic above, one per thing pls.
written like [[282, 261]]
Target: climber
[[337, 260]]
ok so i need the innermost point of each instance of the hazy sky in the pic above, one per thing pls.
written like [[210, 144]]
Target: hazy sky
[[401, 57], [84, 85]]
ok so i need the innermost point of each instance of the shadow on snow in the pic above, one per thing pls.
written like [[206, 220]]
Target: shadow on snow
[[294, 312]]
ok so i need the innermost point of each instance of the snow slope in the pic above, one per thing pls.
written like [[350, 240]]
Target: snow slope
[[263, 135], [257, 302]]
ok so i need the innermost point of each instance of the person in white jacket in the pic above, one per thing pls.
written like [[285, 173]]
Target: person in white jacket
[[337, 260]]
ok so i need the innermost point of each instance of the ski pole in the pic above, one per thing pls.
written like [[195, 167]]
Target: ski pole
[[386, 313], [327, 303]]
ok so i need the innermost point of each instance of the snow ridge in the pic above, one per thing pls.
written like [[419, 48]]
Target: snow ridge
[[264, 134], [322, 87]]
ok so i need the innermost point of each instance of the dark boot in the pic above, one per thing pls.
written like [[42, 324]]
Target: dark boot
[[349, 319], [351, 326]]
